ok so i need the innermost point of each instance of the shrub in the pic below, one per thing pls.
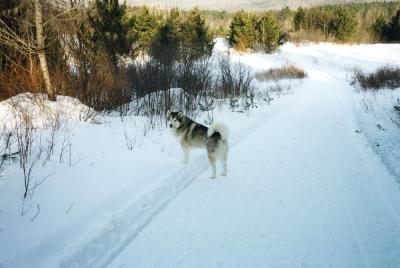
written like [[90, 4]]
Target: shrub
[[286, 72], [383, 77], [234, 80]]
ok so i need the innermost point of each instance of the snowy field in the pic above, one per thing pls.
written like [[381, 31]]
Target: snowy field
[[313, 179]]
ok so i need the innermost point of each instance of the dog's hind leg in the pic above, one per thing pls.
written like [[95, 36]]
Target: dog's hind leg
[[186, 152], [213, 163], [224, 158]]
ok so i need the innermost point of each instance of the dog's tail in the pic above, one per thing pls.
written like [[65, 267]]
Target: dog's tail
[[221, 128]]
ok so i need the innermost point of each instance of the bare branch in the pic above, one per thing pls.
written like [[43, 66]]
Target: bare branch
[[59, 15]]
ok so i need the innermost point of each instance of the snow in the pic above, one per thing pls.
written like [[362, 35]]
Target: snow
[[307, 185], [41, 110]]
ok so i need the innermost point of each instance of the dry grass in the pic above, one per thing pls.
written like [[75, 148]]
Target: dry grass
[[285, 72], [383, 77]]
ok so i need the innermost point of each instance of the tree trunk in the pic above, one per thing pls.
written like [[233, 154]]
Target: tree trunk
[[41, 51]]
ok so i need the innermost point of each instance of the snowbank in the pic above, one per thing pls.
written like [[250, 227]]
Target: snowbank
[[41, 111]]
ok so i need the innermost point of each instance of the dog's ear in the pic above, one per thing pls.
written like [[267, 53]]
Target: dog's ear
[[180, 114], [168, 113]]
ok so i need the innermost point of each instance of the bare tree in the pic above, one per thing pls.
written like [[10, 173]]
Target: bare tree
[[41, 50]]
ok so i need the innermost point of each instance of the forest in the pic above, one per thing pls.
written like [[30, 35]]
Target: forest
[[95, 52]]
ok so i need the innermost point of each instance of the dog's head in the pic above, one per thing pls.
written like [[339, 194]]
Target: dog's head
[[174, 119]]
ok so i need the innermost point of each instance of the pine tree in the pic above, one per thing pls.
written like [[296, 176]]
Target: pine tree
[[165, 46], [299, 19], [197, 40], [143, 30], [379, 29], [394, 28], [242, 31], [106, 18], [285, 16], [343, 24], [323, 21], [268, 32]]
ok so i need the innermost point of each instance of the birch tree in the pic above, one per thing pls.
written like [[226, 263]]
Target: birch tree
[[41, 50]]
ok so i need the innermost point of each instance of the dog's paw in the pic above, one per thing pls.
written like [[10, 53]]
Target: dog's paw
[[223, 174], [212, 177], [185, 162]]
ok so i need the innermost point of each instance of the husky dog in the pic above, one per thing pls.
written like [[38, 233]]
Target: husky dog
[[195, 135]]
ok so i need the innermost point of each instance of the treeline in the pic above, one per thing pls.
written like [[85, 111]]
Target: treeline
[[357, 23], [106, 53], [345, 23], [95, 52], [331, 21]]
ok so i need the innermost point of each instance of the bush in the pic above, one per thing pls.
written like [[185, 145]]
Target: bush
[[153, 81], [383, 77], [234, 80], [286, 72]]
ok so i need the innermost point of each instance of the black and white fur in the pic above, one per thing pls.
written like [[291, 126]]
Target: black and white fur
[[194, 135]]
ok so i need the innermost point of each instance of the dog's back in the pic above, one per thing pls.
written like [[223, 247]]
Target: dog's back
[[191, 134]]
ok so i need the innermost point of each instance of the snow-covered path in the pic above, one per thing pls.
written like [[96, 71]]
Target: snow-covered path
[[303, 190]]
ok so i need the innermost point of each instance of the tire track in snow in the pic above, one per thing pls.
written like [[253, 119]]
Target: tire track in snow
[[100, 245], [356, 220]]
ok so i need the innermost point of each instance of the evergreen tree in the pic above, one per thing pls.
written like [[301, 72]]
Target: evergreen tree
[[165, 46], [285, 17], [196, 38], [379, 29], [299, 19], [343, 24], [268, 32], [182, 39], [323, 21], [144, 29], [394, 28], [242, 31], [106, 18]]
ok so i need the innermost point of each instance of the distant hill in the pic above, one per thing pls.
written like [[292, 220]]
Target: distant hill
[[234, 5]]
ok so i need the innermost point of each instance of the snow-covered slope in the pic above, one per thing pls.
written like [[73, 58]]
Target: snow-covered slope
[[306, 185]]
